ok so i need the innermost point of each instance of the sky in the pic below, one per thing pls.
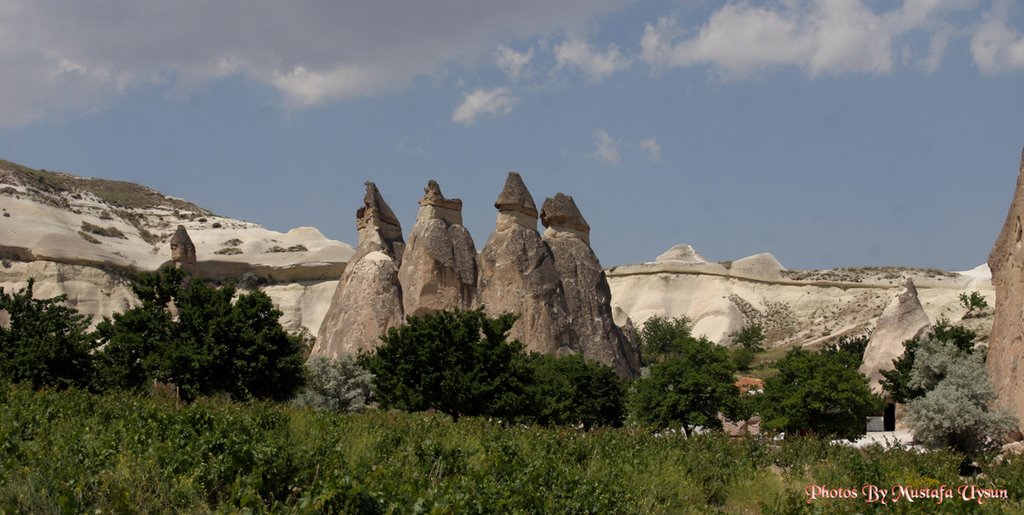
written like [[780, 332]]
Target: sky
[[828, 132]]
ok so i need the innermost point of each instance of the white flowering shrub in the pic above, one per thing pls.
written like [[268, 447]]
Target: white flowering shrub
[[336, 384], [955, 411]]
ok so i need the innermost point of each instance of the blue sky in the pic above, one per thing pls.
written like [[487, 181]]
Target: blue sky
[[830, 133]]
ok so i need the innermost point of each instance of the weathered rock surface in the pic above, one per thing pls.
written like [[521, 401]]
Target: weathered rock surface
[[183, 251], [1006, 342], [587, 294], [517, 274], [904, 318], [758, 266], [368, 299], [438, 269], [681, 254]]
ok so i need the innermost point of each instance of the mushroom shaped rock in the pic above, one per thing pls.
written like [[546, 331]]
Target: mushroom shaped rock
[[368, 299], [438, 269], [587, 294], [517, 274], [903, 319]]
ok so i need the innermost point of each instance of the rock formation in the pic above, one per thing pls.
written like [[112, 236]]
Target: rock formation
[[439, 266], [585, 286], [517, 274], [183, 251], [368, 299], [904, 318], [681, 254], [1006, 343]]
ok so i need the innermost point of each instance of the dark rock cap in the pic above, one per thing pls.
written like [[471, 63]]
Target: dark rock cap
[[432, 196], [514, 196], [374, 207], [561, 211]]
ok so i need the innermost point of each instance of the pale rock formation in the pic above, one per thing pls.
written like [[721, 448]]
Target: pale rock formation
[[517, 274], [681, 254], [903, 319], [587, 294], [183, 251], [1006, 341], [758, 266], [438, 269], [368, 299]]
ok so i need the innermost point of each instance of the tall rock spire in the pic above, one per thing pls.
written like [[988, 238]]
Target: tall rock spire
[[587, 294], [518, 275], [1005, 342], [903, 319], [368, 299], [439, 269]]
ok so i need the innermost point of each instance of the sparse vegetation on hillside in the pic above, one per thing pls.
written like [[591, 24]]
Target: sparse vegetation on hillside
[[109, 232], [293, 248], [860, 274]]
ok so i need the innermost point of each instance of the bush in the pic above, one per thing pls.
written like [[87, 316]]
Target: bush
[[688, 389], [109, 232], [819, 393], [897, 381], [456, 362], [571, 390], [46, 343], [974, 302], [954, 412], [661, 338], [336, 384], [750, 337], [853, 346]]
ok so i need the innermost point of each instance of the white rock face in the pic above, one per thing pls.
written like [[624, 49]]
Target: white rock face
[[758, 266], [681, 254], [904, 318]]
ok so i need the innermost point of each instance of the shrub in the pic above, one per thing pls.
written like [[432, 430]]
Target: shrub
[[974, 302], [336, 384], [751, 337], [854, 346], [456, 362], [688, 389], [110, 232], [820, 393], [228, 251], [897, 381], [954, 412], [572, 390], [46, 343]]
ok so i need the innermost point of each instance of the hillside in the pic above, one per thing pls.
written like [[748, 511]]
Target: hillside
[[82, 237]]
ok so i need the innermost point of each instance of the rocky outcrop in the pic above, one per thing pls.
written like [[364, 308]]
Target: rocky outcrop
[[681, 254], [1006, 343], [585, 286], [183, 251], [903, 319], [439, 266], [368, 299], [517, 274]]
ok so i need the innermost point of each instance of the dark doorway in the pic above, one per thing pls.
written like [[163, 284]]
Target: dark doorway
[[889, 418]]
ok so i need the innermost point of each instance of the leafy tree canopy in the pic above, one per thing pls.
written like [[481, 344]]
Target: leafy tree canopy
[[820, 393], [46, 343], [457, 362], [897, 381], [571, 390], [688, 389]]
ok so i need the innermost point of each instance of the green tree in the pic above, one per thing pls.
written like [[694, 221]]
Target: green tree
[[570, 390], [853, 346], [954, 413], [661, 338], [688, 389], [820, 393], [46, 343], [974, 302], [456, 362], [751, 337], [213, 345]]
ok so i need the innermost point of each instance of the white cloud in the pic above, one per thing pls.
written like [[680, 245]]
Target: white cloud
[[606, 148], [652, 148], [511, 63], [594, 64], [995, 46], [822, 37], [59, 57], [494, 102]]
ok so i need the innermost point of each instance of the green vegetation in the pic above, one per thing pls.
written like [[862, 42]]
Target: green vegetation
[[214, 345], [336, 384], [75, 452], [975, 304], [897, 382], [46, 344], [228, 251], [456, 362], [294, 248], [569, 390], [109, 232], [819, 393]]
